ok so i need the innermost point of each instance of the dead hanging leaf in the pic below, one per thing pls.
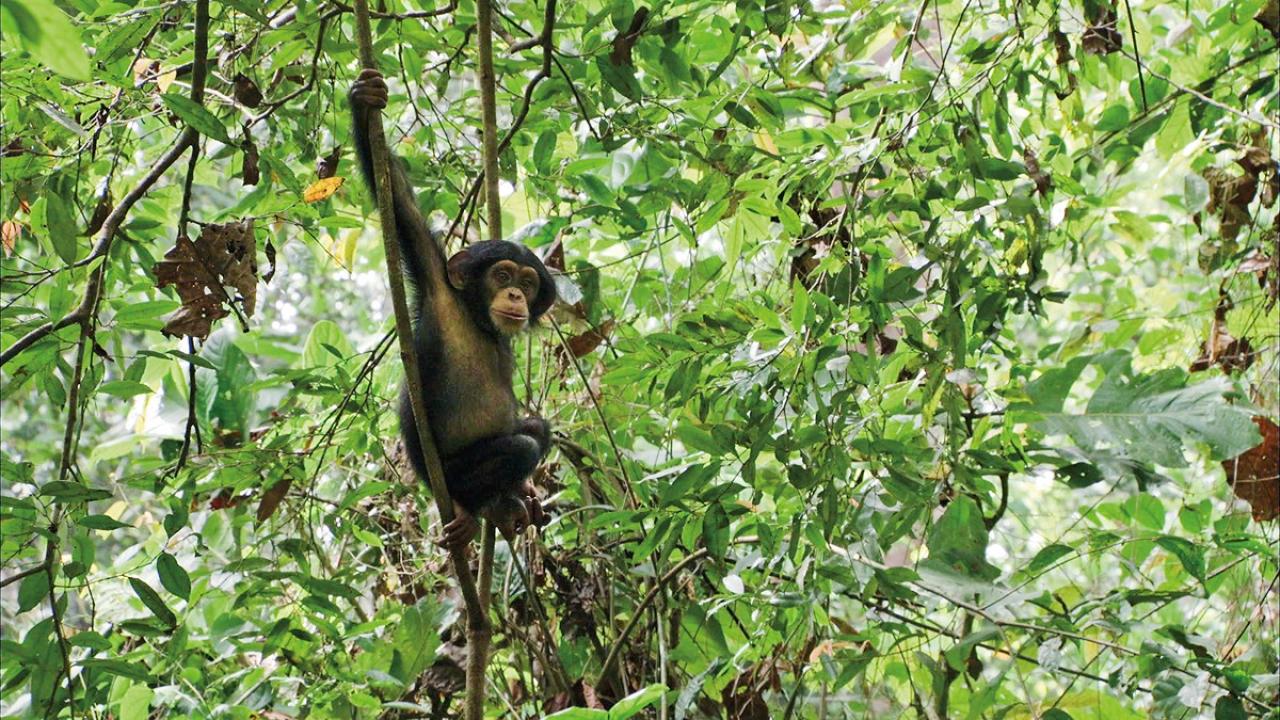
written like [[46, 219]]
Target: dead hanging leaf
[[1220, 348], [13, 149], [623, 42], [10, 231], [1255, 474], [580, 345], [1102, 36], [271, 262], [272, 497], [246, 91], [1062, 47], [249, 174], [743, 697], [1229, 198], [1042, 180], [224, 256], [1269, 18], [327, 166], [554, 256], [322, 189]]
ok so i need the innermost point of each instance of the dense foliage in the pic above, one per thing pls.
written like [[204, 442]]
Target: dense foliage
[[915, 359]]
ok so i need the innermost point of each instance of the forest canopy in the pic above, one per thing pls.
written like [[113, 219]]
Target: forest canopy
[[911, 359]]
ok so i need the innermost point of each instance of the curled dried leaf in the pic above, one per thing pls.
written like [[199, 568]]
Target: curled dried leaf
[[327, 166], [224, 256], [246, 91]]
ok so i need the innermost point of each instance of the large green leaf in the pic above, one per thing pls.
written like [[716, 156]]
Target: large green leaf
[[1154, 418]]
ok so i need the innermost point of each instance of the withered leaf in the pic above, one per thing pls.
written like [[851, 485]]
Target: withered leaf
[[246, 91], [272, 497], [224, 256], [1269, 18], [327, 166], [1229, 197], [10, 230], [580, 345], [1223, 350], [249, 168], [271, 262], [1042, 180], [1102, 36], [623, 42], [1255, 474]]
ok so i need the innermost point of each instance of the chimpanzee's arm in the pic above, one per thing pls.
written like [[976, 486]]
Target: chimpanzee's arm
[[422, 256]]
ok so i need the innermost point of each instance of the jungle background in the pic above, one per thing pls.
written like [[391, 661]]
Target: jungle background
[[913, 359]]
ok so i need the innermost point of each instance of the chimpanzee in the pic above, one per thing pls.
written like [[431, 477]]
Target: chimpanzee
[[468, 309]]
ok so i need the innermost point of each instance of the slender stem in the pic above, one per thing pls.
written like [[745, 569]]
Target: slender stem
[[478, 629], [488, 106]]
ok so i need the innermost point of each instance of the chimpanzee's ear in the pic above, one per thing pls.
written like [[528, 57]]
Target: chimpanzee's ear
[[458, 266]]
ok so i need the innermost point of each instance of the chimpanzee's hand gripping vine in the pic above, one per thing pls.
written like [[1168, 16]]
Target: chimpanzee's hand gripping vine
[[468, 308]]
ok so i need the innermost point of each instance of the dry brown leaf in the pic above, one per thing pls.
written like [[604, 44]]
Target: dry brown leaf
[[1102, 36], [1255, 474], [1269, 18], [249, 173], [246, 91], [1225, 351], [322, 189], [10, 231], [582, 344], [224, 256], [327, 166], [272, 497]]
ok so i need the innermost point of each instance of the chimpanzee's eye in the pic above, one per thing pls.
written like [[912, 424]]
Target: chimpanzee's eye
[[502, 276]]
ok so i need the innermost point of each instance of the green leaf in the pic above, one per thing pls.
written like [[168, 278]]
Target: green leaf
[[958, 542], [124, 389], [1047, 557], [136, 703], [173, 577], [543, 150], [151, 599], [1113, 118], [65, 491], [577, 713], [1189, 554], [1229, 708], [123, 668], [195, 115], [636, 701], [1151, 418], [50, 37], [62, 227], [101, 522]]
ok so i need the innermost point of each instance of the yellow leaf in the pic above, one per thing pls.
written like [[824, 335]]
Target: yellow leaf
[[322, 189], [347, 249], [164, 80], [764, 141]]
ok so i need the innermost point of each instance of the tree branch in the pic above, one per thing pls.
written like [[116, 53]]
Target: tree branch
[[477, 621]]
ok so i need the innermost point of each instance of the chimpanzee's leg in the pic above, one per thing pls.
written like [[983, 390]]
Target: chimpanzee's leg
[[483, 472], [540, 430]]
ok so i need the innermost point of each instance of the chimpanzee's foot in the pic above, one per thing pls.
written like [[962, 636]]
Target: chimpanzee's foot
[[459, 532]]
